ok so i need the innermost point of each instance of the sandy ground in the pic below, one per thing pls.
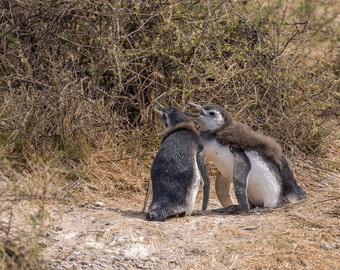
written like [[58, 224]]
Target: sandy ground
[[110, 232], [305, 235]]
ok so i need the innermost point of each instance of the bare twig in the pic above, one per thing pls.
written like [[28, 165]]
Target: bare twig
[[127, 158]]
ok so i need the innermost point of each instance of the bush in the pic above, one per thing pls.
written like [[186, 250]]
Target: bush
[[75, 72]]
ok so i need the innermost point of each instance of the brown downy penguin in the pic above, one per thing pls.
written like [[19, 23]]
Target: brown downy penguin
[[177, 168], [248, 158]]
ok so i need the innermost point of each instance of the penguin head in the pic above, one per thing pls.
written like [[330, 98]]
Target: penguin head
[[170, 116], [210, 117]]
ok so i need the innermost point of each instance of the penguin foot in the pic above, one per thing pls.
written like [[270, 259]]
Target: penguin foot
[[233, 209], [182, 214], [155, 217], [197, 213]]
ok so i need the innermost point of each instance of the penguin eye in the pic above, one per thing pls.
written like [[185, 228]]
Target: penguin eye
[[212, 113]]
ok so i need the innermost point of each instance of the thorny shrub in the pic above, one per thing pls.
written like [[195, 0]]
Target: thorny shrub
[[81, 69]]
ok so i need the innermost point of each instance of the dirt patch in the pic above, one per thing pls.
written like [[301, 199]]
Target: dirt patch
[[114, 234], [304, 235]]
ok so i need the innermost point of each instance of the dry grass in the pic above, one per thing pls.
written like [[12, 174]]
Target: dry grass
[[22, 214]]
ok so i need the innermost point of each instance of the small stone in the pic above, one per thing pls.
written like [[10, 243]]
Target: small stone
[[43, 244], [326, 245], [313, 229], [59, 228], [66, 265], [72, 258], [76, 253], [250, 228], [55, 238], [68, 210], [99, 204], [95, 245], [105, 261], [97, 262], [45, 234]]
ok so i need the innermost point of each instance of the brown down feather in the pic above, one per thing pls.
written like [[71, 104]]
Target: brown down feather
[[180, 126], [242, 136]]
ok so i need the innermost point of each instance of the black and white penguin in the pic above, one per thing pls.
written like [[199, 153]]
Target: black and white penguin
[[250, 160], [177, 168]]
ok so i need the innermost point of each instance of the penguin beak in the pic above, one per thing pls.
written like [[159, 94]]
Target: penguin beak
[[201, 111], [158, 111]]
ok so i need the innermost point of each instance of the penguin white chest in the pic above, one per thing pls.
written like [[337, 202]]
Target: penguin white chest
[[263, 189], [222, 157], [192, 193]]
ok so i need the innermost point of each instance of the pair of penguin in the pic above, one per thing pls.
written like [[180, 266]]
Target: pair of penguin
[[250, 160]]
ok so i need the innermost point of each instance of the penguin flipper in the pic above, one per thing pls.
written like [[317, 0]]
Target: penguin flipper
[[290, 188], [242, 168], [206, 181]]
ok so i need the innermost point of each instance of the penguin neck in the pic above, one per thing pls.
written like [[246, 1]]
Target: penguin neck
[[211, 134], [184, 125], [227, 122], [207, 135]]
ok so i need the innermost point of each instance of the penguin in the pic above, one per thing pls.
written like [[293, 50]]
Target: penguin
[[250, 160], [177, 168]]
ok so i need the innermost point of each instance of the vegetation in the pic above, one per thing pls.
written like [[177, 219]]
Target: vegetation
[[78, 78]]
